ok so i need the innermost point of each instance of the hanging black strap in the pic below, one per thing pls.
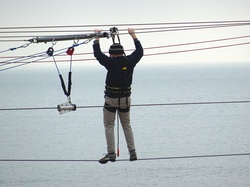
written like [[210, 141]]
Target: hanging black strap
[[69, 83], [70, 51], [67, 93]]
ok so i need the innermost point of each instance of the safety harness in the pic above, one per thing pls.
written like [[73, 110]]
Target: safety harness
[[125, 89]]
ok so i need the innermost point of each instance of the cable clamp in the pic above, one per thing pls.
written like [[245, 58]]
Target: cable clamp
[[25, 45], [66, 107]]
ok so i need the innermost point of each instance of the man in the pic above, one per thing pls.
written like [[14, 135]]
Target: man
[[117, 92]]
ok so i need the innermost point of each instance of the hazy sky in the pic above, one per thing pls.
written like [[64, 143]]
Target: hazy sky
[[80, 12]]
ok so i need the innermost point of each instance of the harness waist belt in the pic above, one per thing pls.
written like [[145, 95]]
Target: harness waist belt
[[118, 90]]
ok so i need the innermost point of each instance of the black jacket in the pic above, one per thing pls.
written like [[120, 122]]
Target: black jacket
[[120, 70]]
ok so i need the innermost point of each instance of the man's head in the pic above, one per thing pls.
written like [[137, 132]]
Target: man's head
[[116, 49]]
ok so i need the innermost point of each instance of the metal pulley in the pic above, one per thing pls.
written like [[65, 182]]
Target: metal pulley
[[66, 107], [50, 51]]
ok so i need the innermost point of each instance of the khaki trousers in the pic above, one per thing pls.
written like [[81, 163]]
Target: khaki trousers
[[109, 122]]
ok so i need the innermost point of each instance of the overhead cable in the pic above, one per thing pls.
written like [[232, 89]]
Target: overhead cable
[[140, 29], [145, 48], [130, 24], [139, 159], [135, 105], [42, 60]]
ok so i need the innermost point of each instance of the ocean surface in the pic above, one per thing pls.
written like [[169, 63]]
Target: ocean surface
[[161, 131]]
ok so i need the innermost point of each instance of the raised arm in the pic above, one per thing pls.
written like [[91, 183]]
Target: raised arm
[[131, 31], [138, 53], [100, 56]]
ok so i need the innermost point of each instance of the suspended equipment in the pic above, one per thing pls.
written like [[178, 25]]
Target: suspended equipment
[[68, 106]]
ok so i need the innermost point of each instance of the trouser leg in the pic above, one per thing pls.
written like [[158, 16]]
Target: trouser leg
[[109, 123], [128, 132], [124, 114], [109, 114]]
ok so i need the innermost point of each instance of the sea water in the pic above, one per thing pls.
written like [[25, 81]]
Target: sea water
[[160, 131]]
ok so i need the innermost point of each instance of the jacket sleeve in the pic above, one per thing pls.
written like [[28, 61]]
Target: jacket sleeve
[[138, 53], [99, 55]]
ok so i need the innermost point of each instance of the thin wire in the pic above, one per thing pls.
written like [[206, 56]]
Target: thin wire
[[185, 29], [70, 66], [118, 135], [129, 24], [15, 48], [121, 160], [32, 56], [191, 43], [25, 63], [199, 42], [23, 60], [18, 60], [143, 28], [56, 65], [198, 49], [135, 105], [176, 45]]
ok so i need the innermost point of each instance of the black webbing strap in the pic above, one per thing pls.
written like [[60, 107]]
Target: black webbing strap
[[67, 93], [70, 51]]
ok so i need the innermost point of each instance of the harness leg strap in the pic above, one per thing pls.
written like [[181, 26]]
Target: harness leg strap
[[109, 108]]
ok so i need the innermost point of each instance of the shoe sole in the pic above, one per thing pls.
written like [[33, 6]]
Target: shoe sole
[[103, 162], [106, 161], [133, 159]]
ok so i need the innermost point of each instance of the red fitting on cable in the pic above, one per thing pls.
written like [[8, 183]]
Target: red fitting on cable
[[70, 51]]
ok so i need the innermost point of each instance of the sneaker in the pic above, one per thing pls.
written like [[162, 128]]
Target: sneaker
[[109, 157], [133, 155]]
